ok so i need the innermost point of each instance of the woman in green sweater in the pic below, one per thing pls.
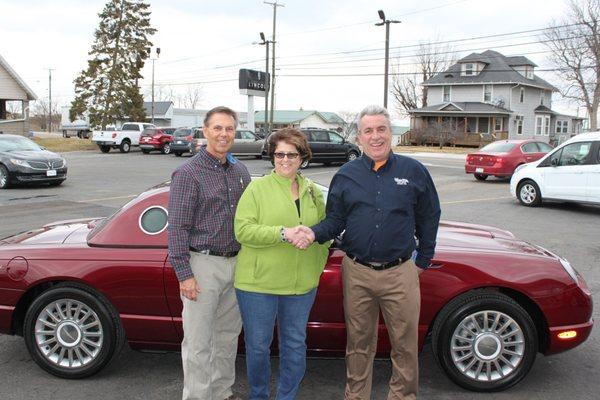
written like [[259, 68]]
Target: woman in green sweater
[[274, 279]]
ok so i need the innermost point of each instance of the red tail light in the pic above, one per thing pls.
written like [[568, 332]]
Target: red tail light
[[469, 158], [114, 135], [157, 136], [498, 160]]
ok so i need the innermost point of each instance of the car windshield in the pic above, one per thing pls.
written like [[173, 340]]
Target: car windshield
[[182, 132], [17, 144], [498, 147]]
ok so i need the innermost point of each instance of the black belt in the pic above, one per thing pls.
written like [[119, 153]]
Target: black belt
[[214, 253], [378, 266]]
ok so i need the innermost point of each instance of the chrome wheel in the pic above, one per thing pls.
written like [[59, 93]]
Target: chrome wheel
[[528, 193], [3, 177], [487, 346], [352, 156], [69, 333]]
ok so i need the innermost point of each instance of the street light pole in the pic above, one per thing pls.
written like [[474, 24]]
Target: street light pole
[[272, 88], [154, 59], [387, 23], [266, 42]]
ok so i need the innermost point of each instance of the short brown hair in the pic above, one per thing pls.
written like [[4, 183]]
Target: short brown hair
[[290, 136], [221, 110]]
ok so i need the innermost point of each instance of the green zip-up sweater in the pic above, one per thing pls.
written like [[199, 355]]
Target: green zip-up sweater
[[265, 264]]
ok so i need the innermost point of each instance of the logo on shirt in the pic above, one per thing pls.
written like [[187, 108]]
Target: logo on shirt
[[401, 182]]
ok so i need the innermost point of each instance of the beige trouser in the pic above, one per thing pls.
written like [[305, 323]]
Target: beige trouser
[[211, 326], [396, 292]]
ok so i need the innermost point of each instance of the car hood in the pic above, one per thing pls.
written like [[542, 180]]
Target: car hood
[[69, 231], [43, 155], [481, 238]]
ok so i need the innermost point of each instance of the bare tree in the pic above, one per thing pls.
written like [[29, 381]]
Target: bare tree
[[40, 108], [431, 59], [575, 45], [191, 98], [350, 126]]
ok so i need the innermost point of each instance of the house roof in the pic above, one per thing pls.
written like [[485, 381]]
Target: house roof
[[30, 94], [160, 107], [292, 116], [498, 69], [399, 130], [455, 107], [543, 110]]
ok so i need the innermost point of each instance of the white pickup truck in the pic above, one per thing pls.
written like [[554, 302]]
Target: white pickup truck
[[123, 139]]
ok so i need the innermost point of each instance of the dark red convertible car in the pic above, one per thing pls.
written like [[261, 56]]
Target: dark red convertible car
[[78, 290]]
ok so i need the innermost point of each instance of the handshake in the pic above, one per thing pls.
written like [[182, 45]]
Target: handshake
[[300, 236]]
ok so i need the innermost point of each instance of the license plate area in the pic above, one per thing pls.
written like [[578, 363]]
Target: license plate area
[[51, 172], [478, 170]]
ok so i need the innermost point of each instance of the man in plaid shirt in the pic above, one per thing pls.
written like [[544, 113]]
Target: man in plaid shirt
[[202, 250]]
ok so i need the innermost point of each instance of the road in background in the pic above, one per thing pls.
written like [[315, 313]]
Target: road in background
[[98, 184]]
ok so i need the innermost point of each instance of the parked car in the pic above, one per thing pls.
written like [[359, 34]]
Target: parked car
[[569, 173], [122, 139], [80, 127], [24, 161], [156, 139], [326, 146], [77, 290], [246, 143], [502, 157], [183, 140]]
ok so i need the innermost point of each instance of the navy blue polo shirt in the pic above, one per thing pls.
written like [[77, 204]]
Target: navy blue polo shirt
[[383, 211]]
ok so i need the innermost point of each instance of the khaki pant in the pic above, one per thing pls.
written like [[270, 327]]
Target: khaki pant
[[396, 292], [211, 326]]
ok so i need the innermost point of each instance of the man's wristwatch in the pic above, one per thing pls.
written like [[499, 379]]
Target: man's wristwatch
[[282, 234]]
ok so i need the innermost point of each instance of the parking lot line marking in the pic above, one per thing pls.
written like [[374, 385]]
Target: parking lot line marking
[[442, 166], [129, 196], [475, 200]]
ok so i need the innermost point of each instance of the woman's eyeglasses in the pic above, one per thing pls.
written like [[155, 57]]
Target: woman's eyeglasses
[[290, 156]]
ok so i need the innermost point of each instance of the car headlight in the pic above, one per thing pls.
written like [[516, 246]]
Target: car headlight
[[21, 163], [569, 269], [64, 163]]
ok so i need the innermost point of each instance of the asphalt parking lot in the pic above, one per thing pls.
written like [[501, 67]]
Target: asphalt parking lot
[[98, 184]]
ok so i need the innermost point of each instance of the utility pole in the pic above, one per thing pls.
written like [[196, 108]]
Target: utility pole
[[272, 88], [266, 42], [387, 23], [154, 59], [50, 99]]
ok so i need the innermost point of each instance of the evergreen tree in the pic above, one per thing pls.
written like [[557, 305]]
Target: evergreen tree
[[107, 89]]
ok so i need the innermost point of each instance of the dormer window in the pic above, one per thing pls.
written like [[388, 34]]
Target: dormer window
[[471, 68]]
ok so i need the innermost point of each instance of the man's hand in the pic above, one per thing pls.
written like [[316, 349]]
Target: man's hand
[[300, 236], [189, 288]]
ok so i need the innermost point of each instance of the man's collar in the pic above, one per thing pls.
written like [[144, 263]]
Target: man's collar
[[229, 158], [369, 163]]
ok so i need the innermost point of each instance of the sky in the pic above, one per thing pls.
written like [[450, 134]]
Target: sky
[[330, 54]]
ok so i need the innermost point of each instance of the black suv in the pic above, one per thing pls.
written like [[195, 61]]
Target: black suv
[[326, 146]]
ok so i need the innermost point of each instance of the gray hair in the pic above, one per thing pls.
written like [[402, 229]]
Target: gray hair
[[373, 110]]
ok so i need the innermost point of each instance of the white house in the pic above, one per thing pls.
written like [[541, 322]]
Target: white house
[[15, 96]]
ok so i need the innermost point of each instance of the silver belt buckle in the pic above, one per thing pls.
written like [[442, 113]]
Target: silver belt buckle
[[376, 264], [205, 252]]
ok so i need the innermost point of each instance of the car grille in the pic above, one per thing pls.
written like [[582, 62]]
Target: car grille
[[46, 165]]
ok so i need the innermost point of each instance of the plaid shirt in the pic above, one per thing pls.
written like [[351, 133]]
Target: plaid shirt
[[202, 202]]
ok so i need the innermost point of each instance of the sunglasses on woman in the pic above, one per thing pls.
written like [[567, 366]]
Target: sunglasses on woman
[[290, 156]]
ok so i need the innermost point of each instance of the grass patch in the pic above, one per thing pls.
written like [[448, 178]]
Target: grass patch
[[433, 149], [63, 145]]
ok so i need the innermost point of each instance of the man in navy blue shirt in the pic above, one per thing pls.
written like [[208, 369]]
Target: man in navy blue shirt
[[387, 206]]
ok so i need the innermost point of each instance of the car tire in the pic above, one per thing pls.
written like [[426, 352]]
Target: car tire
[[166, 148], [528, 193], [178, 154], [4, 177], [480, 177], [484, 341], [104, 148], [125, 146], [352, 155], [304, 164], [145, 151], [72, 332]]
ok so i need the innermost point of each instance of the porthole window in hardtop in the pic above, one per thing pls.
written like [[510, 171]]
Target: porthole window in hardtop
[[154, 220]]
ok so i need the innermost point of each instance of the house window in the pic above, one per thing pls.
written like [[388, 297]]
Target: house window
[[519, 124], [529, 72], [562, 126], [546, 125], [498, 125], [446, 94], [522, 95], [487, 93], [539, 120], [469, 69], [11, 110], [484, 125]]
